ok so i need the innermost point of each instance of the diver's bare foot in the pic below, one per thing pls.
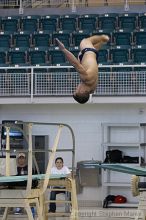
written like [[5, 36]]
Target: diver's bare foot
[[103, 39]]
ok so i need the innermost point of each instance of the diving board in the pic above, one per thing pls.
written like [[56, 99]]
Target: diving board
[[137, 187], [118, 167], [7, 179]]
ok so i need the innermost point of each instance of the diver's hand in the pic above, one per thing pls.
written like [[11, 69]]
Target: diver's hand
[[60, 44]]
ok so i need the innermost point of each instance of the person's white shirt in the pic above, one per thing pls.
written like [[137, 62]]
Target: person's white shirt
[[64, 170]]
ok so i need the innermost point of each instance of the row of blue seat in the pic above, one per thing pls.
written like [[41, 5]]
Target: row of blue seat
[[123, 54], [44, 56], [44, 38], [15, 47], [73, 22]]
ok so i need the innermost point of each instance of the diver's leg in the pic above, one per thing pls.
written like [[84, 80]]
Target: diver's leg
[[95, 41]]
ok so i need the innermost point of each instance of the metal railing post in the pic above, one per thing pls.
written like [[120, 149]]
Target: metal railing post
[[21, 11]]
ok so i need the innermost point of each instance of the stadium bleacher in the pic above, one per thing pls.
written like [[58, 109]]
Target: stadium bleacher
[[29, 23], [37, 55], [142, 20], [5, 39], [128, 20], [21, 39], [120, 54], [17, 56], [87, 22], [10, 23], [68, 22], [139, 37], [122, 37], [77, 36], [41, 39], [108, 21], [21, 35], [63, 36], [139, 54]]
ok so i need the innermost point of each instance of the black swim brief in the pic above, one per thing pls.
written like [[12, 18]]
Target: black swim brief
[[88, 49]]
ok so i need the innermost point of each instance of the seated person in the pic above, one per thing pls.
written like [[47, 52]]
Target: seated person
[[58, 169], [22, 167]]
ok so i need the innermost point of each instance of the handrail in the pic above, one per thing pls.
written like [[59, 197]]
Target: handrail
[[58, 124], [71, 67], [36, 85], [30, 151]]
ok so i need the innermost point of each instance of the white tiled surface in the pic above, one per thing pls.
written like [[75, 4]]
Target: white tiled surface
[[66, 218], [93, 213]]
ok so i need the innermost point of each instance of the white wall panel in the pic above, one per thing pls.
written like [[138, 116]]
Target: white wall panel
[[86, 122]]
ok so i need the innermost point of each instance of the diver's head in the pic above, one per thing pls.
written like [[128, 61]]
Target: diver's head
[[81, 98], [82, 93]]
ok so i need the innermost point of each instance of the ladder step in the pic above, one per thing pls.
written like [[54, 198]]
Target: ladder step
[[66, 190], [58, 201], [62, 214]]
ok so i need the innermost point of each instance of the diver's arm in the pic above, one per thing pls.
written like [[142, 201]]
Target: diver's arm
[[71, 58]]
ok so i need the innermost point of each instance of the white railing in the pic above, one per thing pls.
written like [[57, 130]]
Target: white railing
[[69, 3], [26, 3], [9, 3], [62, 81], [34, 3]]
